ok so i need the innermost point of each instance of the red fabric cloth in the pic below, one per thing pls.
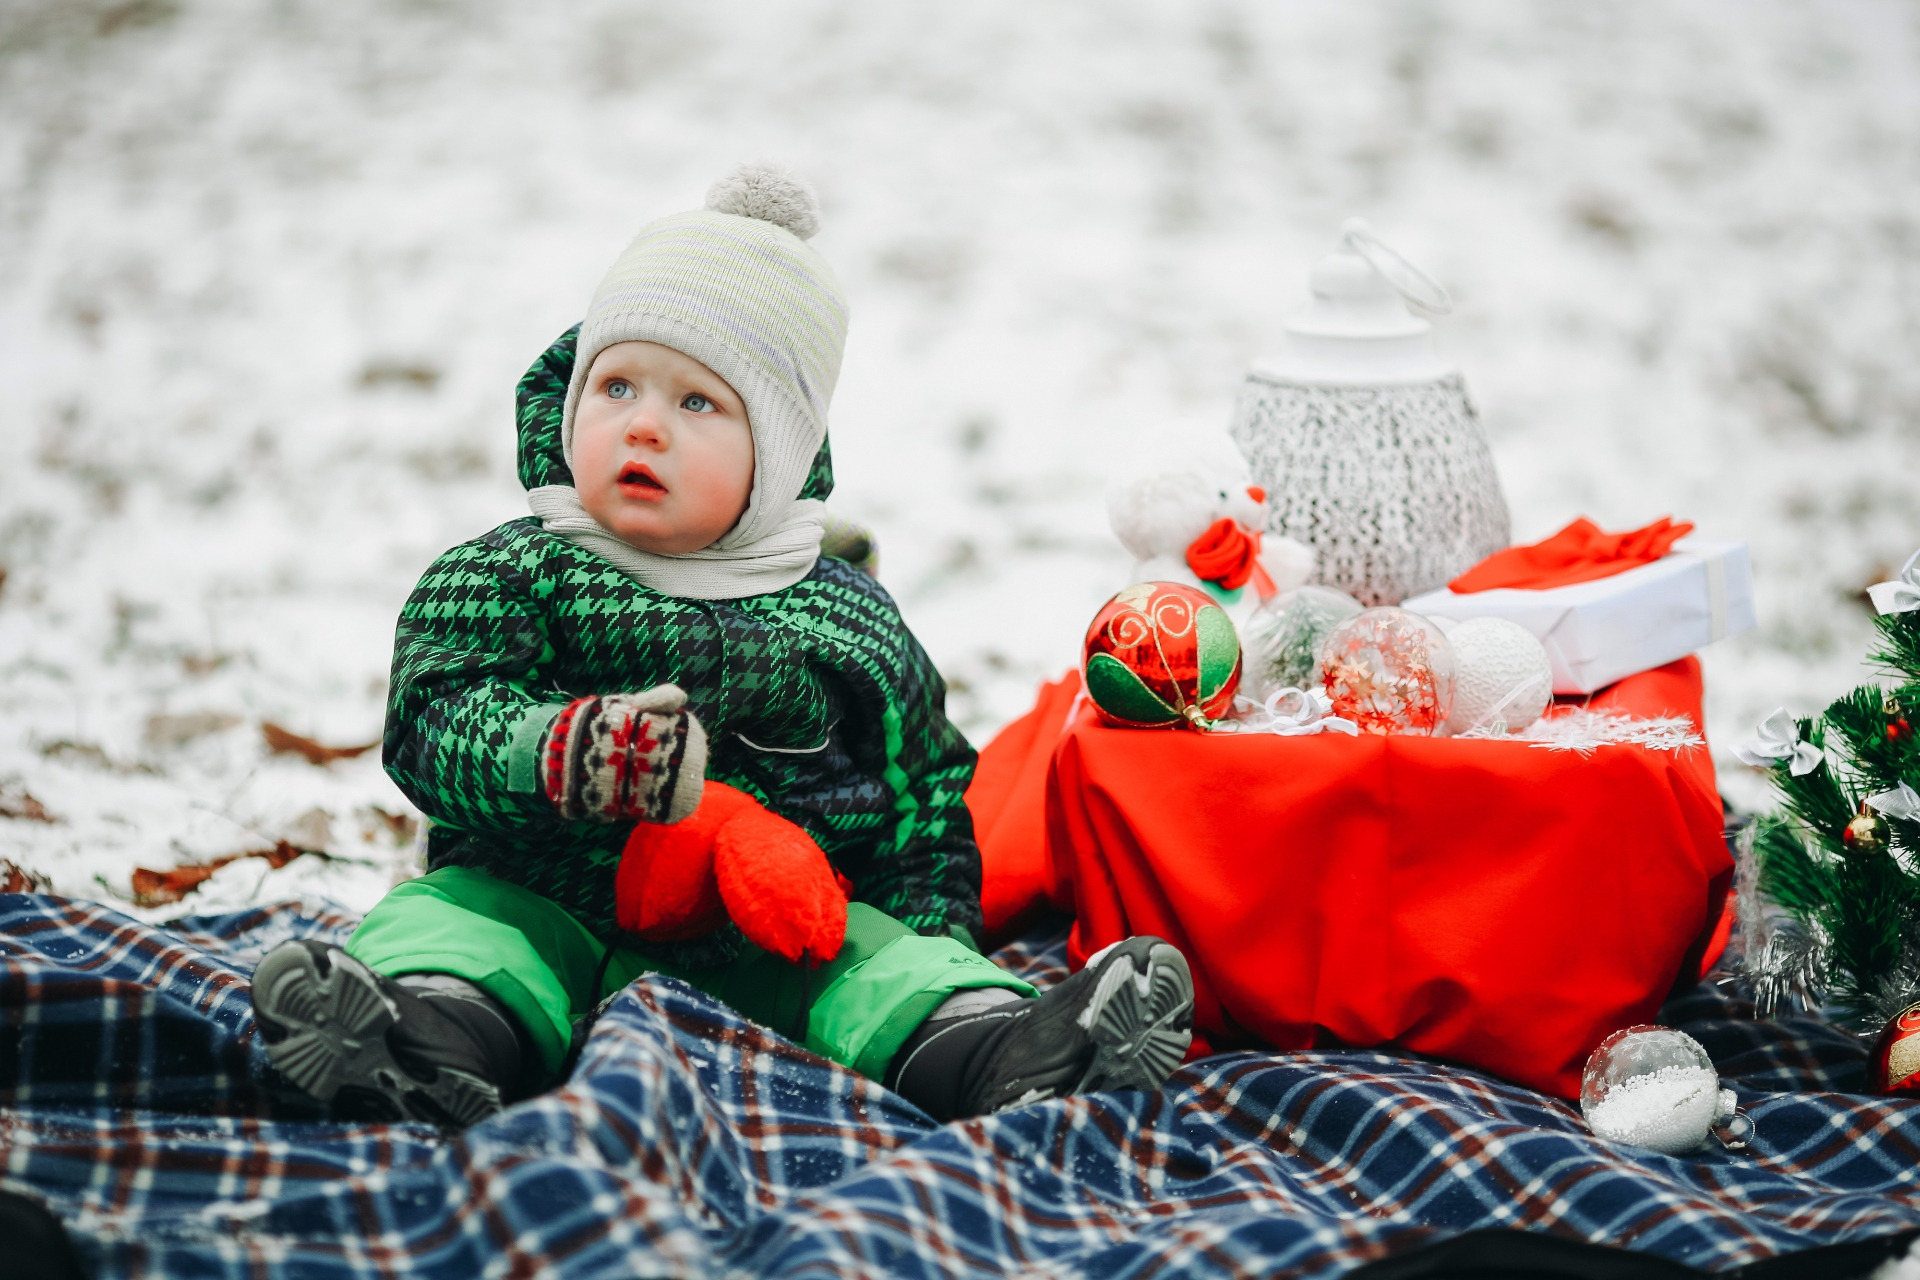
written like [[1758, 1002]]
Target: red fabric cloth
[[1581, 552], [1491, 903], [1008, 800]]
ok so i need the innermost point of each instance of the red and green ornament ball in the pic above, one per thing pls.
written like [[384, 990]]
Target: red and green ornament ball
[[1161, 655], [1895, 1065]]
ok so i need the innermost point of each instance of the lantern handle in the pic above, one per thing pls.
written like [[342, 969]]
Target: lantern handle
[[1413, 284]]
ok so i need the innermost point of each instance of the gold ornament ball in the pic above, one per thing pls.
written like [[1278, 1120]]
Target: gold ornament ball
[[1866, 834]]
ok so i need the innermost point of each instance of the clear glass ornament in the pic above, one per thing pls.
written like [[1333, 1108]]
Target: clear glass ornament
[[1283, 637], [1389, 671], [1655, 1087]]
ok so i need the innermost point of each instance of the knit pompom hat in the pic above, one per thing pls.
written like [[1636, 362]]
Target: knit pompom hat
[[735, 286]]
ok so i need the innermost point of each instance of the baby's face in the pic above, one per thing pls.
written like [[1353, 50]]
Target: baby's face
[[662, 451]]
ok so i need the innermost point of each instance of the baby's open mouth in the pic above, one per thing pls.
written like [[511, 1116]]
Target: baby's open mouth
[[635, 476]]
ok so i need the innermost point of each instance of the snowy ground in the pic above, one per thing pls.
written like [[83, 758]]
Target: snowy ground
[[268, 273]]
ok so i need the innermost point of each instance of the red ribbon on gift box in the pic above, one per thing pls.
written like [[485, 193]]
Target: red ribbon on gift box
[[1581, 552]]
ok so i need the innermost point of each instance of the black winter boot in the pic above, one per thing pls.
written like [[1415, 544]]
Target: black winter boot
[[422, 1046], [1123, 1022]]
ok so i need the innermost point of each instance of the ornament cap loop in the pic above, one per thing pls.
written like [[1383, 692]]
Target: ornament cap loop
[[1736, 1131]]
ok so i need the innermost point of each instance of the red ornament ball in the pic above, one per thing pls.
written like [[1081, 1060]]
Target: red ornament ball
[[1161, 655], [1895, 1067]]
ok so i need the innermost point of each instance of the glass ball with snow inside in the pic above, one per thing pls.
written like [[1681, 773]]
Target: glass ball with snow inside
[[1653, 1087], [1282, 639], [1503, 680], [1389, 671]]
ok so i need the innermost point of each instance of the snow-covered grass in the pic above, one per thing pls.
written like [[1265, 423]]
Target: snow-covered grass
[[268, 273]]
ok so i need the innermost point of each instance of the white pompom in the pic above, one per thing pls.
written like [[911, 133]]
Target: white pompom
[[1503, 675], [770, 192]]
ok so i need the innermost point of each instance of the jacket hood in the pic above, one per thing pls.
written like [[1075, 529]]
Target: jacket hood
[[540, 404]]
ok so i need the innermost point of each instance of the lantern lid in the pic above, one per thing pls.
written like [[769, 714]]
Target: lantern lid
[[1358, 330]]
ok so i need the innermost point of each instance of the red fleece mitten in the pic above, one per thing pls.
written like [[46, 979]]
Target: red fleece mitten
[[732, 858], [665, 889]]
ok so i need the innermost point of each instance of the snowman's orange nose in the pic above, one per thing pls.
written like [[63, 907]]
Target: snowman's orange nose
[[1255, 492]]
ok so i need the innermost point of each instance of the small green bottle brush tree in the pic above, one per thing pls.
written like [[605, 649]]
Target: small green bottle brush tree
[[1839, 862]]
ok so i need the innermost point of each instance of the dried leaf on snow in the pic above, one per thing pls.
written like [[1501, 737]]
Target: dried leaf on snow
[[17, 879], [177, 730], [400, 826], [17, 802], [157, 888], [282, 741]]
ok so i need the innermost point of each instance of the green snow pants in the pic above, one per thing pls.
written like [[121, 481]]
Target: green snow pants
[[537, 960]]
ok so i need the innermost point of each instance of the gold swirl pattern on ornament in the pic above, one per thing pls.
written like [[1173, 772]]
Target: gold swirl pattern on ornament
[[1129, 627], [1172, 615], [1179, 610]]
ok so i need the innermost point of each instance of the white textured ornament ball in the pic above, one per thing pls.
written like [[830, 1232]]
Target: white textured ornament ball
[[1502, 675], [769, 192]]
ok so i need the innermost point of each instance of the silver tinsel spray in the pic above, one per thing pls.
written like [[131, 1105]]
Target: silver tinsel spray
[[1365, 440]]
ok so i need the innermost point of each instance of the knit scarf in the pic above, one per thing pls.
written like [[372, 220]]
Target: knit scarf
[[777, 559]]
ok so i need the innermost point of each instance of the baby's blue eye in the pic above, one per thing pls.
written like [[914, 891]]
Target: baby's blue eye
[[619, 390], [697, 403]]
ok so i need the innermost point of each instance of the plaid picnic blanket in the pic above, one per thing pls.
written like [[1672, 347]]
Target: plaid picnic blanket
[[136, 1102]]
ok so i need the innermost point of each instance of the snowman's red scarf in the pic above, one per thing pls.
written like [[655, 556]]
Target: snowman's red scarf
[[1229, 553]]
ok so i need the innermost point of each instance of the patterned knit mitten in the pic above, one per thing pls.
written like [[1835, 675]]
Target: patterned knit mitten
[[625, 755]]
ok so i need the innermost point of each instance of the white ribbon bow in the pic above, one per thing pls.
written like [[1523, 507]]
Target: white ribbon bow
[[1777, 739], [1902, 595], [1901, 802], [1290, 713]]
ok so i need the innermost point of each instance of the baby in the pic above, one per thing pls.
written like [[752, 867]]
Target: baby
[[656, 730]]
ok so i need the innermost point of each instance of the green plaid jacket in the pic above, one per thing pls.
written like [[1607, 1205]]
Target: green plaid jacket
[[816, 699]]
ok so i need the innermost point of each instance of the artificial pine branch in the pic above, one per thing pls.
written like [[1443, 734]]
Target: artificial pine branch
[[1867, 918], [1859, 903], [1816, 798], [1899, 645], [1789, 874], [1883, 746], [1879, 761]]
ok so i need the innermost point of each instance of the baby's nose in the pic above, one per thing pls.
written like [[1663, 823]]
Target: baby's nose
[[646, 426]]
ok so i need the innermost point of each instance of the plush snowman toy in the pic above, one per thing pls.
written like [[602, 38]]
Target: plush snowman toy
[[1203, 530]]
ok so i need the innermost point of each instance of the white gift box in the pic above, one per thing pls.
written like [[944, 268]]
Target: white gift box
[[1597, 632]]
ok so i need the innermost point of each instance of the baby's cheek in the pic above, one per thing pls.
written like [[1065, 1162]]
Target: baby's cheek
[[732, 476], [725, 498], [593, 469]]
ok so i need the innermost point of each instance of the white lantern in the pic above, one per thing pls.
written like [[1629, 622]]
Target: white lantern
[[1364, 438]]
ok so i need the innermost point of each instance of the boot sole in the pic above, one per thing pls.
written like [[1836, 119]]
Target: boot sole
[[327, 1033], [1140, 1021]]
